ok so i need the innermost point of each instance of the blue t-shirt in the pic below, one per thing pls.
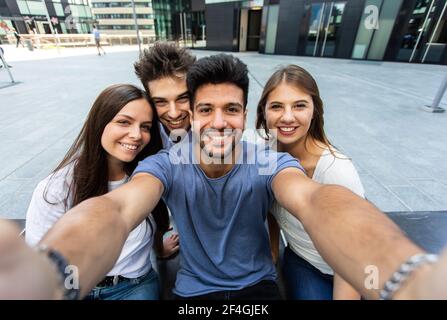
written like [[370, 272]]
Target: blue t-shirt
[[166, 141], [224, 244]]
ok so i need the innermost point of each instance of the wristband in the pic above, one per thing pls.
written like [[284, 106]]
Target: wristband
[[404, 271]]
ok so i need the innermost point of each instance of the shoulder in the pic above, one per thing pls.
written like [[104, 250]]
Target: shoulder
[[337, 168], [265, 154], [161, 157], [159, 165], [55, 186]]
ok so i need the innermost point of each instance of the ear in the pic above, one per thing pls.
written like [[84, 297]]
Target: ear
[[191, 117]]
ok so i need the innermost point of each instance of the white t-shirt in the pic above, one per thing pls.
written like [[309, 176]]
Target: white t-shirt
[[134, 260], [329, 170]]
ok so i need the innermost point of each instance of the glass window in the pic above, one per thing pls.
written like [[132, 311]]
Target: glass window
[[436, 45], [365, 32], [63, 27], [414, 29], [59, 10], [371, 43], [37, 8], [74, 10], [23, 7], [272, 25], [387, 19]]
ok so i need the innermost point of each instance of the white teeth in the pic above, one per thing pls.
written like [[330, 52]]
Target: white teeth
[[129, 146], [287, 129], [220, 137], [176, 122]]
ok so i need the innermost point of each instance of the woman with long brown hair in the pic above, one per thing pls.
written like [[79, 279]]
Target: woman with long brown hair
[[291, 111], [121, 129]]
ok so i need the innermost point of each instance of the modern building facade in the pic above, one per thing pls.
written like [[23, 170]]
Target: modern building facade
[[179, 19], [382, 30], [116, 16], [66, 16]]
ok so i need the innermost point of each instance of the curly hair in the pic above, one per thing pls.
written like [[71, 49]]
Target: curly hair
[[164, 59]]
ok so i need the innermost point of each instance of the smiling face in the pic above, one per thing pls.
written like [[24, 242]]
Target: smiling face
[[128, 132], [289, 111], [171, 99], [219, 118]]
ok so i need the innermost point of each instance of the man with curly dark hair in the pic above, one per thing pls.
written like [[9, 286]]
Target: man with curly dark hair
[[162, 70]]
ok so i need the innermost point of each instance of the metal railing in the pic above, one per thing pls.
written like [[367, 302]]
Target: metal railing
[[42, 41], [81, 40]]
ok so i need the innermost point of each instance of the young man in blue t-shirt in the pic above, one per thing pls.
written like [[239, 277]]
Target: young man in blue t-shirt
[[219, 191]]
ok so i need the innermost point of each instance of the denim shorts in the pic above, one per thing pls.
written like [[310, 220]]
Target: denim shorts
[[143, 288]]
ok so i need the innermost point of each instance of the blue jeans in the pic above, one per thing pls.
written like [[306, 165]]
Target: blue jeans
[[263, 290], [303, 281], [143, 288]]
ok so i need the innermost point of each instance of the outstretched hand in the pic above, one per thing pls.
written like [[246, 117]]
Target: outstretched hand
[[24, 273]]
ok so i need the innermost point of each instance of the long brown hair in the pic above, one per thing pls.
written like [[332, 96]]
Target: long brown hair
[[300, 78], [89, 159]]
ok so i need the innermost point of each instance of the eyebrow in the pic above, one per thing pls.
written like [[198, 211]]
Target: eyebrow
[[234, 104], [203, 105], [230, 104], [129, 117], [181, 95], [298, 101]]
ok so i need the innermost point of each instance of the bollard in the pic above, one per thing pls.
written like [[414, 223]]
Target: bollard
[[434, 107]]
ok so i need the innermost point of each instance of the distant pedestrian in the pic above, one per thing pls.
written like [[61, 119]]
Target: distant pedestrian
[[16, 34], [97, 36]]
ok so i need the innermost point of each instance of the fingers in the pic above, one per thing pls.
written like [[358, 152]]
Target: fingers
[[171, 241], [174, 236], [175, 249]]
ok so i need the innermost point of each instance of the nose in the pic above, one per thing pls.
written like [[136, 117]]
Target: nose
[[219, 120], [173, 113], [287, 115], [135, 132]]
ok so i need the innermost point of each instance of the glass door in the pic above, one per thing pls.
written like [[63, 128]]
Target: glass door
[[324, 28], [423, 36], [254, 30], [438, 40]]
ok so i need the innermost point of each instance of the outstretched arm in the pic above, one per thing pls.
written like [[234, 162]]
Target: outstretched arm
[[349, 232], [343, 290], [91, 235]]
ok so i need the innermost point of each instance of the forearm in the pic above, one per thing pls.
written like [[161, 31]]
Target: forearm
[[351, 234], [90, 236], [343, 290]]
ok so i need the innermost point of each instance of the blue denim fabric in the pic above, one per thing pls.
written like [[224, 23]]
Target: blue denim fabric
[[303, 281], [143, 288], [264, 290]]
